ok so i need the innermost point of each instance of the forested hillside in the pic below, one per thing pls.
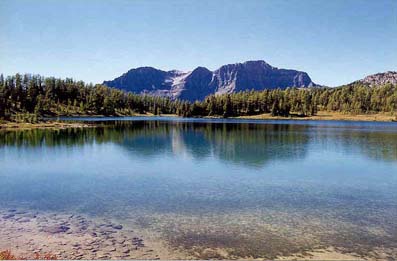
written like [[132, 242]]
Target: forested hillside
[[38, 96], [27, 98]]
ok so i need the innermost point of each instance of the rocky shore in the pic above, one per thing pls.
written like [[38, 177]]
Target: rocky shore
[[69, 237], [72, 236]]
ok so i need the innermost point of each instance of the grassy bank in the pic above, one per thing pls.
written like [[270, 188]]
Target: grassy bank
[[41, 125], [328, 116], [12, 125]]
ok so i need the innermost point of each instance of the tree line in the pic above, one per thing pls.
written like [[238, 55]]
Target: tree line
[[355, 98], [35, 95]]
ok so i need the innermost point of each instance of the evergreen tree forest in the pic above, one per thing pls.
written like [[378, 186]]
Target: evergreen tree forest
[[29, 97]]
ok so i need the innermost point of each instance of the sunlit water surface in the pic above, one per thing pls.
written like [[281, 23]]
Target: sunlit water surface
[[256, 188]]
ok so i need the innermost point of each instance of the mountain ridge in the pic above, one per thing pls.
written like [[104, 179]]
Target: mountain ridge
[[201, 82]]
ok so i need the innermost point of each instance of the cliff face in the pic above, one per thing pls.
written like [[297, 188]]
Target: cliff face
[[257, 75], [201, 82]]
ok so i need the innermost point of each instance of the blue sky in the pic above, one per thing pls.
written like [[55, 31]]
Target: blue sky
[[336, 42]]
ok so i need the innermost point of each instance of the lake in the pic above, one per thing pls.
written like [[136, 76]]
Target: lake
[[202, 188]]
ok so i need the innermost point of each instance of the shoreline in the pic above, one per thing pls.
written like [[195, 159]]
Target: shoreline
[[56, 125], [78, 236], [73, 236], [327, 116], [321, 116]]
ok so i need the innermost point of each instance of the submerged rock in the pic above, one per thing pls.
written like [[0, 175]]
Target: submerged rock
[[118, 227], [125, 250], [24, 220], [56, 229], [8, 216]]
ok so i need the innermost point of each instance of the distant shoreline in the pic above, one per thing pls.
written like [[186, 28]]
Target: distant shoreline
[[329, 116], [321, 116], [42, 125]]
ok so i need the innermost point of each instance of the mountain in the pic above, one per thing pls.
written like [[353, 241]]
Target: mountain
[[201, 82], [380, 78]]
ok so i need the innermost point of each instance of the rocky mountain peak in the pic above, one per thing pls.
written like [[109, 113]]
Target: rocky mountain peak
[[258, 63], [380, 78], [201, 82]]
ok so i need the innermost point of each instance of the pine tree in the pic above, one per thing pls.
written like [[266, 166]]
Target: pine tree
[[227, 108]]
